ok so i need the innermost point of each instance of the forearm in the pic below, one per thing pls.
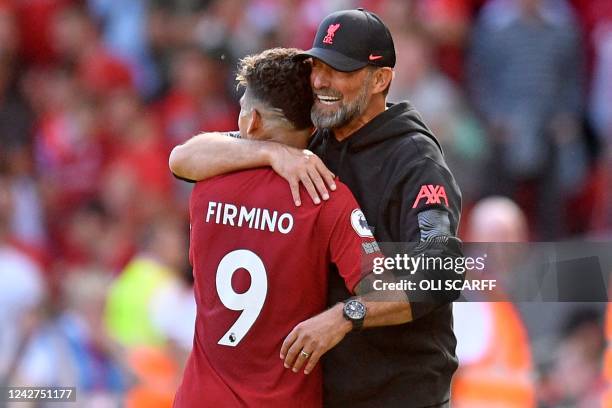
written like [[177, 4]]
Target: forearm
[[378, 314], [384, 308], [211, 154], [314, 337], [387, 313]]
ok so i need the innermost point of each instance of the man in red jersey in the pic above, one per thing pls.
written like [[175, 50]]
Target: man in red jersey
[[260, 263]]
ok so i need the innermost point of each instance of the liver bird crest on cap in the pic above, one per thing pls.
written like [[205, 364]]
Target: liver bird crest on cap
[[331, 31]]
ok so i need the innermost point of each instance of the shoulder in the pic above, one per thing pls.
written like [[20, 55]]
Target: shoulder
[[342, 213], [340, 196], [419, 162], [262, 176], [260, 172], [422, 146], [413, 150], [342, 191], [341, 200]]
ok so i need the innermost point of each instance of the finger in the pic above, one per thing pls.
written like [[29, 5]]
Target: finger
[[327, 175], [292, 354], [305, 179], [295, 192], [289, 340], [319, 183], [300, 360], [312, 361]]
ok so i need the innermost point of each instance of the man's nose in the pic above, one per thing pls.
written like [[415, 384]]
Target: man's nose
[[319, 79]]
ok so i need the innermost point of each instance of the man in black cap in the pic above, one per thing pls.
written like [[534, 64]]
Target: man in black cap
[[394, 166]]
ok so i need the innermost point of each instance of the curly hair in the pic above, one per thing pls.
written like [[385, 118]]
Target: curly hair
[[276, 78]]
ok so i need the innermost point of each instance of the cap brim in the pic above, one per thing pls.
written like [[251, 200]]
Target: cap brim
[[334, 59]]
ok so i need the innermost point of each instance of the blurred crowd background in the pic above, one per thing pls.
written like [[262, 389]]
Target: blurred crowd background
[[95, 285]]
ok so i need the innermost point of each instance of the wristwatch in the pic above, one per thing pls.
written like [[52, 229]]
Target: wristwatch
[[354, 311]]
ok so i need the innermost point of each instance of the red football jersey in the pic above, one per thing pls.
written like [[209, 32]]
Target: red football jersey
[[261, 266]]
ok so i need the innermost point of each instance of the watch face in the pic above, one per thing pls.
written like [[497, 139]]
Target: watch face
[[354, 310]]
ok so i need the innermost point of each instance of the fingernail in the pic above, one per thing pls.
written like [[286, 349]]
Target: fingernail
[[298, 203], [286, 366], [306, 372], [333, 186], [295, 370], [282, 357], [317, 201], [326, 196]]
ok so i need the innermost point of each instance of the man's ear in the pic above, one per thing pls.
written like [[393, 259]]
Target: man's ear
[[255, 122], [382, 79]]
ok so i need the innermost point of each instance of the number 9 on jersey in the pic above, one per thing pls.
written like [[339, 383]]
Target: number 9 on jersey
[[249, 302]]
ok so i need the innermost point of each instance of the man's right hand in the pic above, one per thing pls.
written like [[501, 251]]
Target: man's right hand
[[302, 166]]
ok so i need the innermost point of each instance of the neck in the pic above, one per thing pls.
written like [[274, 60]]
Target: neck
[[376, 106], [292, 138]]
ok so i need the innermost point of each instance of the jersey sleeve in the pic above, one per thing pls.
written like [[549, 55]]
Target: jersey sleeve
[[352, 247]]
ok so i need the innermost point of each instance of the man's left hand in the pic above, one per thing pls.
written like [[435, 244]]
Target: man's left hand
[[312, 338]]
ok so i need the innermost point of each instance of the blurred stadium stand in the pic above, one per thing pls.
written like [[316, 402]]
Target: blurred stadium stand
[[94, 94]]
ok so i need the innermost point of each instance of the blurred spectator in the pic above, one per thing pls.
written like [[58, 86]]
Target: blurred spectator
[[157, 376], [525, 74], [15, 117], [196, 100], [575, 378], [592, 14], [226, 26], [34, 343], [446, 22], [28, 218], [124, 32], [601, 116], [607, 360], [276, 19], [67, 144], [21, 293], [76, 41], [497, 219], [73, 347], [153, 270], [78, 241], [93, 93], [600, 224], [173, 313], [35, 19], [440, 103], [97, 361], [136, 170], [601, 94], [495, 365]]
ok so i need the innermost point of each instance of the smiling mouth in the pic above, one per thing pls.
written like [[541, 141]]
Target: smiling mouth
[[327, 100]]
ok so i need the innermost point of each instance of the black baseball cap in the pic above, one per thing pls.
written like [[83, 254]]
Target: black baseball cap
[[348, 40]]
